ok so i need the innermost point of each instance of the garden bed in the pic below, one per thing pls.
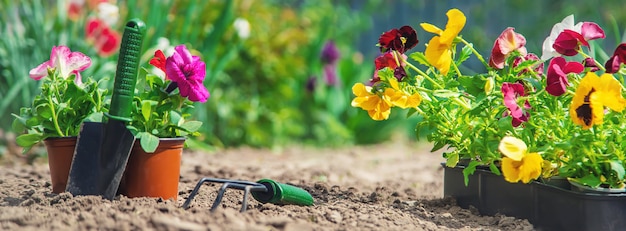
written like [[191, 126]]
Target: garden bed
[[394, 186]]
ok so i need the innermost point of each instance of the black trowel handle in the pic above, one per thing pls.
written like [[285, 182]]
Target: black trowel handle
[[126, 74]]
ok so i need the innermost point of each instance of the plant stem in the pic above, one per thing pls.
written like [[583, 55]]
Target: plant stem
[[478, 56], [421, 73], [55, 120]]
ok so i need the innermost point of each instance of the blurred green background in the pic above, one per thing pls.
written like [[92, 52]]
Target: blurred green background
[[270, 88]]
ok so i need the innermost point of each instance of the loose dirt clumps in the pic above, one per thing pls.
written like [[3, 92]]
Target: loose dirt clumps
[[392, 186]]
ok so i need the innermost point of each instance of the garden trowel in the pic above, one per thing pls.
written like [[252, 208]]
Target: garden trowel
[[102, 149]]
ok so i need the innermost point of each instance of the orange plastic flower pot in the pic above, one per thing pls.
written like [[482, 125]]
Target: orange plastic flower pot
[[60, 153], [154, 174]]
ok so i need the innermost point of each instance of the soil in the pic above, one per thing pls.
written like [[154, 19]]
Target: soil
[[391, 186]]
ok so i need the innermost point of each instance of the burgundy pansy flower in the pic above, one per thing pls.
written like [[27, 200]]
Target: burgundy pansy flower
[[188, 73], [619, 56], [556, 80], [400, 40], [505, 44], [591, 64], [530, 56], [511, 91], [568, 42], [387, 60]]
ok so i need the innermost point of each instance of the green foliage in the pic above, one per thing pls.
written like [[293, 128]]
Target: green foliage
[[59, 109], [159, 114]]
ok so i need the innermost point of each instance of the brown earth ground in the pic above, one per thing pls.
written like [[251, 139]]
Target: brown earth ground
[[391, 186]]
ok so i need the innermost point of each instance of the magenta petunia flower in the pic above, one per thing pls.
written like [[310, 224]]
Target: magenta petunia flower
[[188, 73], [619, 56], [65, 61], [556, 80], [511, 91]]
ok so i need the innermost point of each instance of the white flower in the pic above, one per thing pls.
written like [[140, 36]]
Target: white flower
[[242, 26], [567, 24], [108, 12]]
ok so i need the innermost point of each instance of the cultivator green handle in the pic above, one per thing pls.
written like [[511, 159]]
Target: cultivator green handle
[[264, 191], [126, 75], [279, 193]]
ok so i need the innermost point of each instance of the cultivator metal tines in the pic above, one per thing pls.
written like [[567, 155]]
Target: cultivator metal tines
[[264, 191]]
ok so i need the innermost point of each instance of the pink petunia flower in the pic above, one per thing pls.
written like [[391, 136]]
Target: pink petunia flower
[[511, 91], [65, 62], [188, 73], [504, 45], [556, 80]]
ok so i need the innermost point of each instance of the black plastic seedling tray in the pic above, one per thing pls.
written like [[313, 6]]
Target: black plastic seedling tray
[[547, 207]]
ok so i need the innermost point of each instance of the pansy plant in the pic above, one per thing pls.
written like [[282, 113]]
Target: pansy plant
[[517, 118]]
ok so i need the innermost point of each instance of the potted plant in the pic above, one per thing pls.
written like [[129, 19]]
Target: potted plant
[[515, 119], [57, 113], [160, 122]]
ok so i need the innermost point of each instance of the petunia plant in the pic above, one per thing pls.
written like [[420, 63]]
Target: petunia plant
[[163, 103], [65, 100], [517, 118]]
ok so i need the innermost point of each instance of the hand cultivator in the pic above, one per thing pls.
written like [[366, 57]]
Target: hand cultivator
[[264, 191]]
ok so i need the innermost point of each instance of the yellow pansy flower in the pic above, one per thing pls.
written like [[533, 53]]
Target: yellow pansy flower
[[439, 49], [376, 106], [517, 163], [400, 98], [592, 95]]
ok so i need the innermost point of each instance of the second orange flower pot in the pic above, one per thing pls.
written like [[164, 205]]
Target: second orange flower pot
[[154, 174]]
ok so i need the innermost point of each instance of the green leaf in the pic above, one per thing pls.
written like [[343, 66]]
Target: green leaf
[[452, 159], [466, 52], [420, 58], [446, 93], [618, 168], [28, 140], [146, 109], [437, 146], [149, 142], [494, 169], [469, 170], [589, 180], [95, 117], [176, 118], [191, 126]]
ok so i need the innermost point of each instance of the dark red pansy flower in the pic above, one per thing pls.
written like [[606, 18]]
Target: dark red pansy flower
[[556, 80], [400, 40], [619, 56]]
